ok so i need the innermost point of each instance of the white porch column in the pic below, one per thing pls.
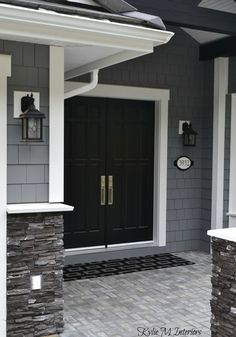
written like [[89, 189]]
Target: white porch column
[[220, 91], [5, 71], [56, 125], [232, 179]]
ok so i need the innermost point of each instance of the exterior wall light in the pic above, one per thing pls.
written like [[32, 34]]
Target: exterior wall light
[[189, 135], [32, 120]]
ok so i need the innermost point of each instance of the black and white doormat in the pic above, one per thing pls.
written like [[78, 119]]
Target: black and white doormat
[[122, 266]]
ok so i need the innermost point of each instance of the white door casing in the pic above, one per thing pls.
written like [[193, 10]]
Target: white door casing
[[161, 99], [232, 177]]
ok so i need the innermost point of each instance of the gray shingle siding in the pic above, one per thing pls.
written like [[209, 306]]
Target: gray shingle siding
[[27, 163]]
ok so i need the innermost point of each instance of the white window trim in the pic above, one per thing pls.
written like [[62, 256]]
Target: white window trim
[[161, 98], [232, 177], [5, 71], [220, 92]]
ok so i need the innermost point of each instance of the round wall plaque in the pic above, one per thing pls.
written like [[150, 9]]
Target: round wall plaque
[[183, 163]]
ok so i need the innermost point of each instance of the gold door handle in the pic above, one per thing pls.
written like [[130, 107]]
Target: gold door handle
[[103, 191], [110, 190]]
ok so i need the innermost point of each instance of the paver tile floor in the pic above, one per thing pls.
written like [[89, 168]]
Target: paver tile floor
[[160, 302]]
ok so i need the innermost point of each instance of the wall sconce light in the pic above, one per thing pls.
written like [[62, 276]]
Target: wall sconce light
[[189, 135], [32, 120]]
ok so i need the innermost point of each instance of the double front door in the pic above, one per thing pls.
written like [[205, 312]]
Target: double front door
[[109, 151]]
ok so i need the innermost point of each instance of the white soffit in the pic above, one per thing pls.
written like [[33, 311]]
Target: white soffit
[[78, 56], [204, 37], [219, 5]]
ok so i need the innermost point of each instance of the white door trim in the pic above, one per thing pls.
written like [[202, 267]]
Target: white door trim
[[161, 98], [232, 177], [220, 92], [5, 71]]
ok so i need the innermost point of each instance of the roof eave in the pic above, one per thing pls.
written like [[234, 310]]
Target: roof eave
[[61, 29]]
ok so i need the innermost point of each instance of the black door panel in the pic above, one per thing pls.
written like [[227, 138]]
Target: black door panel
[[84, 165], [112, 138]]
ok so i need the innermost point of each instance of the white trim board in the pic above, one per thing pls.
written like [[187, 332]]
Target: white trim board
[[56, 125], [228, 234], [38, 208], [17, 96], [232, 177], [110, 248], [161, 98], [122, 92], [5, 71], [220, 91]]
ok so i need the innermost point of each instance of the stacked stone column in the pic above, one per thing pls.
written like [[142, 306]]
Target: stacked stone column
[[35, 247], [223, 303]]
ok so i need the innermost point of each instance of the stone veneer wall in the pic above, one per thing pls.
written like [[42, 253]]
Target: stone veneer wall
[[223, 303], [35, 247]]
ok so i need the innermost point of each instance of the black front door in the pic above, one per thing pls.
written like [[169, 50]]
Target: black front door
[[109, 146]]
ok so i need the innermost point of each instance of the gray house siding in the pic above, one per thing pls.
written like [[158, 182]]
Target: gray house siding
[[27, 163], [207, 133], [176, 66]]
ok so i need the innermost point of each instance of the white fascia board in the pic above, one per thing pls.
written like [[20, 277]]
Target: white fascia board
[[38, 208], [52, 28]]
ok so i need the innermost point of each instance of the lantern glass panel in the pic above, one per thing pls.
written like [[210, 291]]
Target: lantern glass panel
[[24, 128], [34, 128], [192, 140]]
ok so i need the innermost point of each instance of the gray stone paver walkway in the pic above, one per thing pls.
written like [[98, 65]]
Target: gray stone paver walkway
[[159, 301]]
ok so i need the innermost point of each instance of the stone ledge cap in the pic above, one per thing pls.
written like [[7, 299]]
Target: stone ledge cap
[[228, 234], [38, 208]]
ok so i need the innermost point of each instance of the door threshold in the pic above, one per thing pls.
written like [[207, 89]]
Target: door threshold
[[109, 248]]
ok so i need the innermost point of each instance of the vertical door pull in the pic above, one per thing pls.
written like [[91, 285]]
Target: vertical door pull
[[103, 191], [110, 190]]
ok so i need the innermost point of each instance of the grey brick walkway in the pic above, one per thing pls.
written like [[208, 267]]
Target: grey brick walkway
[[116, 306]]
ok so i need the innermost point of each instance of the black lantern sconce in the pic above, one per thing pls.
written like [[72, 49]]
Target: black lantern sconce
[[189, 135], [32, 120]]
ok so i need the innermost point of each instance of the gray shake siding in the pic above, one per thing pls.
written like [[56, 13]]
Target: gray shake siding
[[27, 163]]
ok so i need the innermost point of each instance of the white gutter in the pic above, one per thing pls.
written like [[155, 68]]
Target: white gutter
[[85, 88], [47, 27]]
